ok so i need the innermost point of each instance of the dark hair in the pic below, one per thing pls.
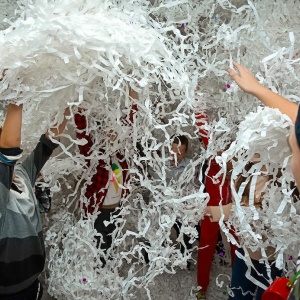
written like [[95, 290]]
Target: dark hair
[[0, 129], [180, 139]]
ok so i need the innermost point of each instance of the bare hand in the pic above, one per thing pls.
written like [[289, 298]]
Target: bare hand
[[244, 79]]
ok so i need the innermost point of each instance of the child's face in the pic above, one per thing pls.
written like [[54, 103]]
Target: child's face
[[179, 151], [295, 157]]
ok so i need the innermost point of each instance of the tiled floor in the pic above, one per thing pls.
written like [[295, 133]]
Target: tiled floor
[[180, 286]]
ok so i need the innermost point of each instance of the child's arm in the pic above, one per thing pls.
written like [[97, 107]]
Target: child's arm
[[10, 152], [11, 131], [248, 83]]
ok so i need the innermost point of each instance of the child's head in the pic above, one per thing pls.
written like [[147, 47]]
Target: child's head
[[294, 142], [180, 146]]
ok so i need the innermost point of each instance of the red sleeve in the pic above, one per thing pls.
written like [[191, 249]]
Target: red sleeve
[[80, 121], [201, 119]]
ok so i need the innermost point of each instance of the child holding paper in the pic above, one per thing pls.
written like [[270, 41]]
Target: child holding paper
[[22, 251]]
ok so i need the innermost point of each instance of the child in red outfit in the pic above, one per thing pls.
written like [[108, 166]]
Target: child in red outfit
[[209, 231], [96, 191], [109, 183]]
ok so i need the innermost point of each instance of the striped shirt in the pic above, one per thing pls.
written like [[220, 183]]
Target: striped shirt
[[22, 252]]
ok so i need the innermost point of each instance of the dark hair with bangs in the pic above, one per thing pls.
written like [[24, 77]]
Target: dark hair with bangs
[[180, 139]]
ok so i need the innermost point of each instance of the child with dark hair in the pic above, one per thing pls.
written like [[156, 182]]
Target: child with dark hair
[[180, 147], [22, 251], [209, 230], [110, 181], [175, 167]]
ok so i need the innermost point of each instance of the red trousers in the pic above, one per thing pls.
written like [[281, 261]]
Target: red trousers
[[207, 246], [210, 230]]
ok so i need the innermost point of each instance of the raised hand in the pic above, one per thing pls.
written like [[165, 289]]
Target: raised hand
[[245, 79], [247, 82]]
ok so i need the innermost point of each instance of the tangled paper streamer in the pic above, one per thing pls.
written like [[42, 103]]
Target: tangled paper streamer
[[88, 53]]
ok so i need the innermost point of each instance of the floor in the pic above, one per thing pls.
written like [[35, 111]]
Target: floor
[[182, 285]]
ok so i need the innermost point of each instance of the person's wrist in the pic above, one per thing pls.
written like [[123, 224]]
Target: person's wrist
[[258, 89]]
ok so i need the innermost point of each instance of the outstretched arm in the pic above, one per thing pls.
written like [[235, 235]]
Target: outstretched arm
[[10, 152], [248, 83], [11, 131]]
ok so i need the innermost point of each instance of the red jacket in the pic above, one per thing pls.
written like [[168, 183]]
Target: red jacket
[[213, 189], [97, 190]]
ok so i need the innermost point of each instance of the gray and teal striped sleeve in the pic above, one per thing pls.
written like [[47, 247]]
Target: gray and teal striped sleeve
[[37, 159], [8, 159], [22, 251]]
